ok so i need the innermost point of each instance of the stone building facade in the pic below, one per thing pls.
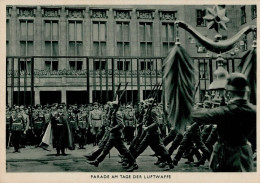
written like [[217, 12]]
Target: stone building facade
[[81, 50]]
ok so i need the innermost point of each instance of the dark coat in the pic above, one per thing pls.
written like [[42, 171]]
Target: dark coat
[[61, 133], [236, 123]]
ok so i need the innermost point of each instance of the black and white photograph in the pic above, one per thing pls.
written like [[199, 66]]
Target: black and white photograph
[[129, 89]]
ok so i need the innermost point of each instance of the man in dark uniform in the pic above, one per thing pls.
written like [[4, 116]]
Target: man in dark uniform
[[38, 124], [115, 139], [73, 121], [236, 122], [83, 127], [61, 132], [17, 128]]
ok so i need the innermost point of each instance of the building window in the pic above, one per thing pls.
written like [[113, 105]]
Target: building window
[[123, 38], [123, 65], [25, 65], [253, 11], [99, 65], [203, 65], [7, 37], [75, 38], [26, 38], [51, 36], [243, 15], [200, 20], [146, 65], [99, 37], [51, 65], [167, 35], [145, 39], [75, 65]]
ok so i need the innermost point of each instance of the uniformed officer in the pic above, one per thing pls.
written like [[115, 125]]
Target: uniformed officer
[[26, 119], [38, 124], [73, 121], [17, 127], [236, 122], [129, 123], [101, 145], [61, 132], [83, 127], [96, 122]]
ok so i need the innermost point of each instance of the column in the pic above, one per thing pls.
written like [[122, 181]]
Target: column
[[63, 95]]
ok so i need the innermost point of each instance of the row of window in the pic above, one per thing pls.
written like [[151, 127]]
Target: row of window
[[99, 38], [53, 65]]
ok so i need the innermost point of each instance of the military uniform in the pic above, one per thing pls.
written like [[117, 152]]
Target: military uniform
[[17, 127], [61, 132], [96, 122], [152, 138], [191, 136], [115, 140], [129, 123], [73, 121], [83, 127], [38, 126]]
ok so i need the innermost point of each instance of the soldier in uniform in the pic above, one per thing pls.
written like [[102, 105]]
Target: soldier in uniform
[[236, 122], [26, 119], [107, 118], [152, 137], [115, 140], [129, 122], [73, 121], [96, 122], [83, 127], [38, 126], [17, 127], [61, 132]]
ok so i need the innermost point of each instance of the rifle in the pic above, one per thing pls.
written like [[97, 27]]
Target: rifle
[[152, 92], [119, 100], [151, 106], [117, 91]]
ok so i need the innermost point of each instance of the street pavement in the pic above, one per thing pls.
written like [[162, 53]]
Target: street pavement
[[33, 159]]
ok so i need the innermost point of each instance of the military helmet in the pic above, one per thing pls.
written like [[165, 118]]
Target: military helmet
[[237, 82]]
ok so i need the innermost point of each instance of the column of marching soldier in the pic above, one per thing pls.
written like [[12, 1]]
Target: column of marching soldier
[[116, 126]]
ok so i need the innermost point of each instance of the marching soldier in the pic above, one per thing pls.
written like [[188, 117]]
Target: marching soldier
[[96, 122], [115, 140], [152, 137], [129, 122]]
